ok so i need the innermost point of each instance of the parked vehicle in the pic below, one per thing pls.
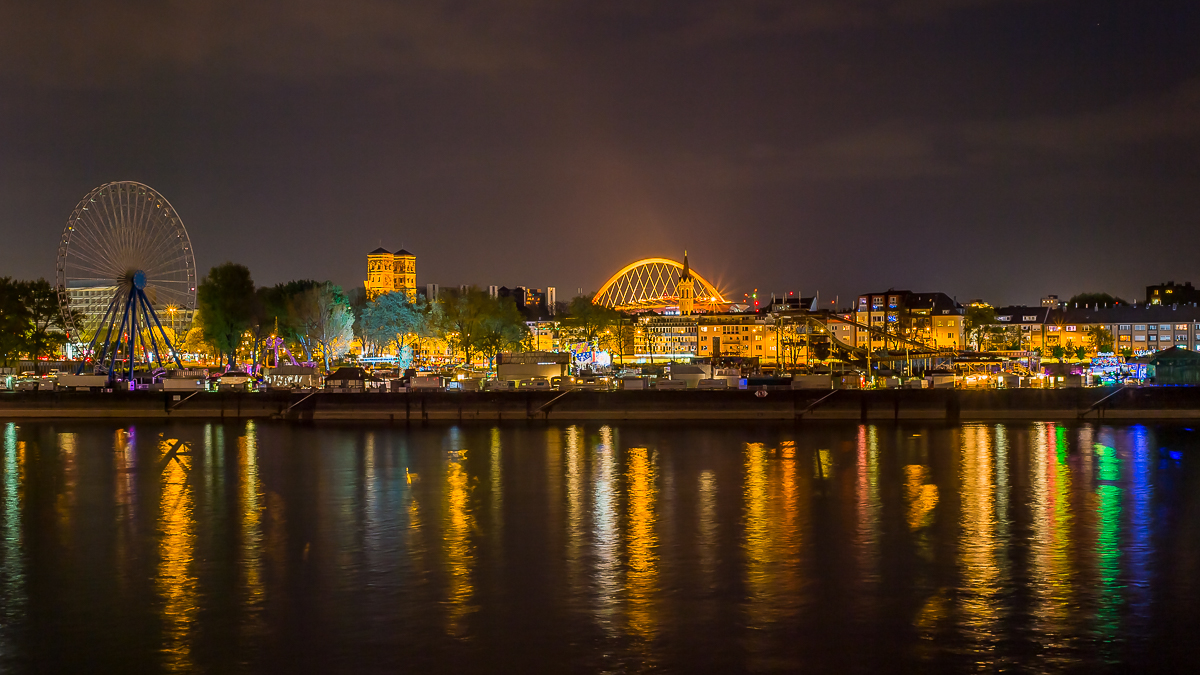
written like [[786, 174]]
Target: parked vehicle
[[234, 380], [633, 383], [427, 383]]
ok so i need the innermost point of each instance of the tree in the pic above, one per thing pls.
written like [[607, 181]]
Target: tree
[[391, 319], [1126, 353], [586, 321], [276, 300], [459, 319], [1100, 339], [976, 324], [14, 320], [1058, 352], [322, 318], [1094, 299], [357, 299], [195, 342], [46, 331], [502, 328], [225, 300]]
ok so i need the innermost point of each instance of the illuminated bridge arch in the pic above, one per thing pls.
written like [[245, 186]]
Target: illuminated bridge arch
[[650, 284]]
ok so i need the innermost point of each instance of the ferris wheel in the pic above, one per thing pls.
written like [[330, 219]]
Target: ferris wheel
[[124, 253]]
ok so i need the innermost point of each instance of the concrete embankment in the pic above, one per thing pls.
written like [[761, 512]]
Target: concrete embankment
[[1146, 403]]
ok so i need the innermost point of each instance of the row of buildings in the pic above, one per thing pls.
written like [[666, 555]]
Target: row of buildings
[[791, 331]]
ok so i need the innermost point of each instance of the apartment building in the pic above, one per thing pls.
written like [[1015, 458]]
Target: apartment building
[[1170, 293], [659, 337], [741, 335], [1142, 330], [934, 319], [1026, 324]]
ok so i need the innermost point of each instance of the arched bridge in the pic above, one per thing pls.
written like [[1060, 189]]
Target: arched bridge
[[650, 284]]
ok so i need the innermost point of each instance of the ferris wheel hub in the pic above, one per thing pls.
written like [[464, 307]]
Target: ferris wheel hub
[[139, 280]]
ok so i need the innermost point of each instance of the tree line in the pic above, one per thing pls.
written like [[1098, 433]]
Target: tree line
[[235, 318], [31, 324]]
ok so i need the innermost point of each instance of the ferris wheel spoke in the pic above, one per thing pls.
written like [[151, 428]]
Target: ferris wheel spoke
[[98, 266], [153, 271], [111, 220], [145, 226], [95, 246], [88, 266], [103, 273], [161, 246]]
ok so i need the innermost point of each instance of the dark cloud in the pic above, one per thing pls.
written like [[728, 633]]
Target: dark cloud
[[822, 143]]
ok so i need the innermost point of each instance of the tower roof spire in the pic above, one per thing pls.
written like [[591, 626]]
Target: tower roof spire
[[687, 273]]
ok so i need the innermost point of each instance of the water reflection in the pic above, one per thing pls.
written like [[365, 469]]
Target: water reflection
[[250, 500], [616, 548], [1050, 554], [12, 568], [175, 581], [978, 545], [458, 523], [773, 525], [641, 579], [606, 534]]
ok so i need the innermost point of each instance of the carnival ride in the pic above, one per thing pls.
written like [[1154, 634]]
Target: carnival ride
[[125, 242], [651, 284]]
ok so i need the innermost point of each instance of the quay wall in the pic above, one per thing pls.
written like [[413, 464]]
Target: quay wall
[[1130, 403]]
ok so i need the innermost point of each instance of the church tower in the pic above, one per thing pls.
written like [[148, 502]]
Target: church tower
[[686, 288], [381, 273], [406, 274]]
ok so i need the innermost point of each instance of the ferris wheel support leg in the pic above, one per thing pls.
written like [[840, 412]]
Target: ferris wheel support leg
[[141, 337], [148, 311], [170, 348], [91, 345], [119, 346], [133, 329], [145, 322], [107, 353]]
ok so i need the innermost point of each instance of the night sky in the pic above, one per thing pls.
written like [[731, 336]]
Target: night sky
[[988, 149]]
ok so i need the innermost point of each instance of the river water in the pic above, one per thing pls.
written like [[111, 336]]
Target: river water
[[265, 547]]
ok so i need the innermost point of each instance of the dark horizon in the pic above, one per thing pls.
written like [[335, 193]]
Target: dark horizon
[[994, 149]]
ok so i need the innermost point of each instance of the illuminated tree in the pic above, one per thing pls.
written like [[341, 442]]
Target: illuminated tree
[[472, 321], [195, 342], [1100, 339], [977, 324], [322, 319], [586, 320], [392, 319], [458, 319], [501, 329]]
